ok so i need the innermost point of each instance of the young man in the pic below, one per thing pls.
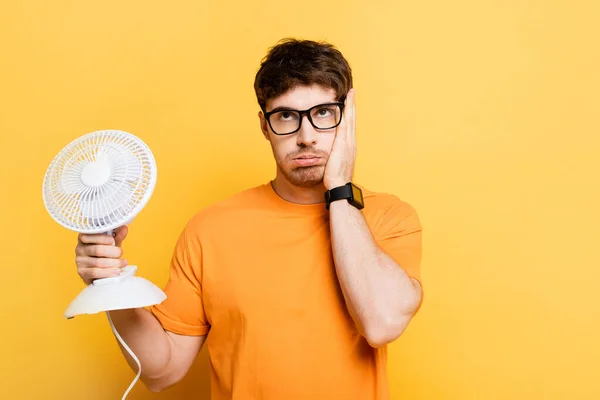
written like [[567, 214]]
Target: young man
[[298, 284]]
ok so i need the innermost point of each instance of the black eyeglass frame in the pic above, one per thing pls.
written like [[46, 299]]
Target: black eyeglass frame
[[307, 113]]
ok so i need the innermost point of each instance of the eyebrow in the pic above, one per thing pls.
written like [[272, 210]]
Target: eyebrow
[[285, 108]]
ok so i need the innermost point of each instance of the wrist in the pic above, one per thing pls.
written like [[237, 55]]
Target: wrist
[[335, 183], [347, 191]]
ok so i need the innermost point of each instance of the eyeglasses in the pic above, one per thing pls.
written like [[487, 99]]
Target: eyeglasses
[[322, 117]]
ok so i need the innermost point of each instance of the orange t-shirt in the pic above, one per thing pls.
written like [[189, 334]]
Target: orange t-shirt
[[256, 274]]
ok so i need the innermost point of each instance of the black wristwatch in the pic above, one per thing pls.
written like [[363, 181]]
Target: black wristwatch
[[349, 191]]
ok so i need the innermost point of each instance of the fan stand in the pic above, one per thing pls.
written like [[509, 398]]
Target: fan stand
[[116, 293]]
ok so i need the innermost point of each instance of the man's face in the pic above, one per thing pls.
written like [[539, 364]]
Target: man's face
[[301, 156]]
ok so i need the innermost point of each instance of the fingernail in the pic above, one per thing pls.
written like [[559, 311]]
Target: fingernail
[[116, 272], [125, 262]]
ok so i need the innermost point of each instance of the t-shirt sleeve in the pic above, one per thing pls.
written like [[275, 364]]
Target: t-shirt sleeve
[[183, 312], [399, 235]]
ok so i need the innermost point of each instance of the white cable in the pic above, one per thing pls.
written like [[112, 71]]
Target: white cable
[[130, 353]]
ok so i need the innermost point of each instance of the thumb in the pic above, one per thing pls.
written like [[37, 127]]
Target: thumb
[[121, 234]]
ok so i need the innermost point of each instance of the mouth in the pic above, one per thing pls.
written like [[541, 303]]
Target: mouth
[[306, 157], [307, 160]]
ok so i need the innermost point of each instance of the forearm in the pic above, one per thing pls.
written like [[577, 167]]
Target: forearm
[[146, 338], [380, 296]]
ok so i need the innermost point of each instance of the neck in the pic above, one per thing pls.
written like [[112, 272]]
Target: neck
[[297, 194]]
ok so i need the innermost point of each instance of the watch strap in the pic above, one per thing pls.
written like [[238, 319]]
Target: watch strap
[[338, 193]]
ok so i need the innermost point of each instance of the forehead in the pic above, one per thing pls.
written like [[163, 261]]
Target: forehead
[[302, 97]]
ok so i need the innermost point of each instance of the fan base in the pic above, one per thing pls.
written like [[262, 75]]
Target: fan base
[[116, 293]]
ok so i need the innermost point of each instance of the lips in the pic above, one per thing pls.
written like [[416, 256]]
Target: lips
[[307, 160], [305, 156]]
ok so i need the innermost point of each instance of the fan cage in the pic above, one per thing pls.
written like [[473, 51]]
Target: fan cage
[[87, 209]]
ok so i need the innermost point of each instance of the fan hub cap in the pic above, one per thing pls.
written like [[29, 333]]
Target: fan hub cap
[[96, 173]]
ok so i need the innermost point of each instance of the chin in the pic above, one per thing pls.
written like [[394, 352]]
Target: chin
[[307, 177]]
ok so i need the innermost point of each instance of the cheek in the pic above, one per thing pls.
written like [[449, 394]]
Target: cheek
[[282, 146], [327, 143]]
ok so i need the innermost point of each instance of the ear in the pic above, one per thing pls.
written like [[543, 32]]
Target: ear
[[264, 125]]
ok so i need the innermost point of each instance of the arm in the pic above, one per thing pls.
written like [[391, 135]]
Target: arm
[[380, 296], [165, 357]]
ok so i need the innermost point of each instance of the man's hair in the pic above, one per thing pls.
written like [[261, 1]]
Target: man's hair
[[293, 62]]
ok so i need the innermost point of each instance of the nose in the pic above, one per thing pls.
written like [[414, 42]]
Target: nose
[[307, 135]]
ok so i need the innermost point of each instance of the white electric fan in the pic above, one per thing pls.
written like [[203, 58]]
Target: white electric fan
[[97, 183]]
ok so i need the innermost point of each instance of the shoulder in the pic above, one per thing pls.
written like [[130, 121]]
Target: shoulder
[[378, 202], [383, 210], [225, 210]]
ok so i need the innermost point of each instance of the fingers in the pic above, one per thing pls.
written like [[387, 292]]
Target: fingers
[[91, 268], [106, 240], [350, 97], [100, 263], [88, 275], [342, 127], [349, 106], [98, 250], [99, 255], [346, 125], [121, 234], [351, 114]]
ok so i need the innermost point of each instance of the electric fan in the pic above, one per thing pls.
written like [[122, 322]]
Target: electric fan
[[95, 184]]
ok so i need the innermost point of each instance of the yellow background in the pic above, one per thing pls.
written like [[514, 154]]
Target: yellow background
[[482, 114]]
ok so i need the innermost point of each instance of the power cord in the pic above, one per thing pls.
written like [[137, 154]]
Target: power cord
[[130, 353]]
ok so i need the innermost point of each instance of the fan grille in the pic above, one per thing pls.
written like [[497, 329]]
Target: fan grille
[[121, 175]]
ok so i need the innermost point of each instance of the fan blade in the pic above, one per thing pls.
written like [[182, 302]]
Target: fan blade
[[71, 179]]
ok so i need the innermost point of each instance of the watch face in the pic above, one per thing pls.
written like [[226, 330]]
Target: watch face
[[357, 194]]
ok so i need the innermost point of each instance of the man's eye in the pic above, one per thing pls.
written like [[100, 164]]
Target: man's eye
[[324, 112], [286, 115]]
